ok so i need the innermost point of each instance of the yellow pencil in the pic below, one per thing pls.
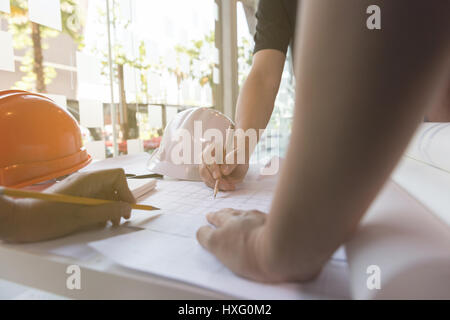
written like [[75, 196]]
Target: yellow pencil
[[216, 188], [56, 197]]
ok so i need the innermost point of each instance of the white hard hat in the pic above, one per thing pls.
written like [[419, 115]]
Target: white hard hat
[[160, 161]]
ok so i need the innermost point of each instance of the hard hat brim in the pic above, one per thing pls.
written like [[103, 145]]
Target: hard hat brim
[[188, 172], [11, 176]]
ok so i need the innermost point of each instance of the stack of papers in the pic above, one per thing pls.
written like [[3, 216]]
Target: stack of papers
[[141, 187], [132, 164]]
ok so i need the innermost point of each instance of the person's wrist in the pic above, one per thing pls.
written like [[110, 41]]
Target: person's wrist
[[277, 266], [267, 266]]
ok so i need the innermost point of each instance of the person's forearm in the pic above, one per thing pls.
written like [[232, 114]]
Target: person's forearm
[[440, 110], [362, 94], [254, 108], [256, 102]]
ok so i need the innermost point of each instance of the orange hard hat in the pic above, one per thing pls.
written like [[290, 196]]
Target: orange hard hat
[[39, 141]]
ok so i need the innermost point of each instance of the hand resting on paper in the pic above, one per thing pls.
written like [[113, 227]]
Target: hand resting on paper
[[236, 239], [233, 240]]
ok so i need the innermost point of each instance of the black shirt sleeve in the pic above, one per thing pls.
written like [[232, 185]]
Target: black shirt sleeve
[[273, 29]]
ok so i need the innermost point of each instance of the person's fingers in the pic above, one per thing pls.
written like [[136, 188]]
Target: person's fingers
[[221, 217], [227, 169], [109, 183], [225, 184], [103, 184], [126, 211], [115, 222], [100, 225], [121, 186], [204, 236], [230, 163], [215, 170], [206, 176], [208, 155], [208, 159], [92, 215], [212, 172]]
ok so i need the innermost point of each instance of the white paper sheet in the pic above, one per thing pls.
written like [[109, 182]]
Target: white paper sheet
[[74, 246], [7, 52], [431, 144], [168, 247], [427, 184], [185, 203], [4, 6], [91, 113], [141, 187], [45, 12], [407, 243], [399, 235], [182, 258]]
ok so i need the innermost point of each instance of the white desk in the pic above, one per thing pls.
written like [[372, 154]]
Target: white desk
[[37, 265], [100, 278]]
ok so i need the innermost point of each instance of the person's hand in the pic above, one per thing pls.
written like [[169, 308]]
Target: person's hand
[[229, 172], [35, 220], [235, 239]]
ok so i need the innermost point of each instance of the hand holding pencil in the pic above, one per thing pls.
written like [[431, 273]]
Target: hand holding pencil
[[62, 198], [35, 220], [223, 176]]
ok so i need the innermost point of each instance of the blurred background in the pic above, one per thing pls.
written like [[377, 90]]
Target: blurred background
[[165, 56]]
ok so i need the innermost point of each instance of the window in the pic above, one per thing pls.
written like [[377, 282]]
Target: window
[[163, 58], [279, 128]]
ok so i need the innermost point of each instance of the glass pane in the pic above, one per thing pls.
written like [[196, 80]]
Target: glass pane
[[275, 140], [51, 57], [164, 58]]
